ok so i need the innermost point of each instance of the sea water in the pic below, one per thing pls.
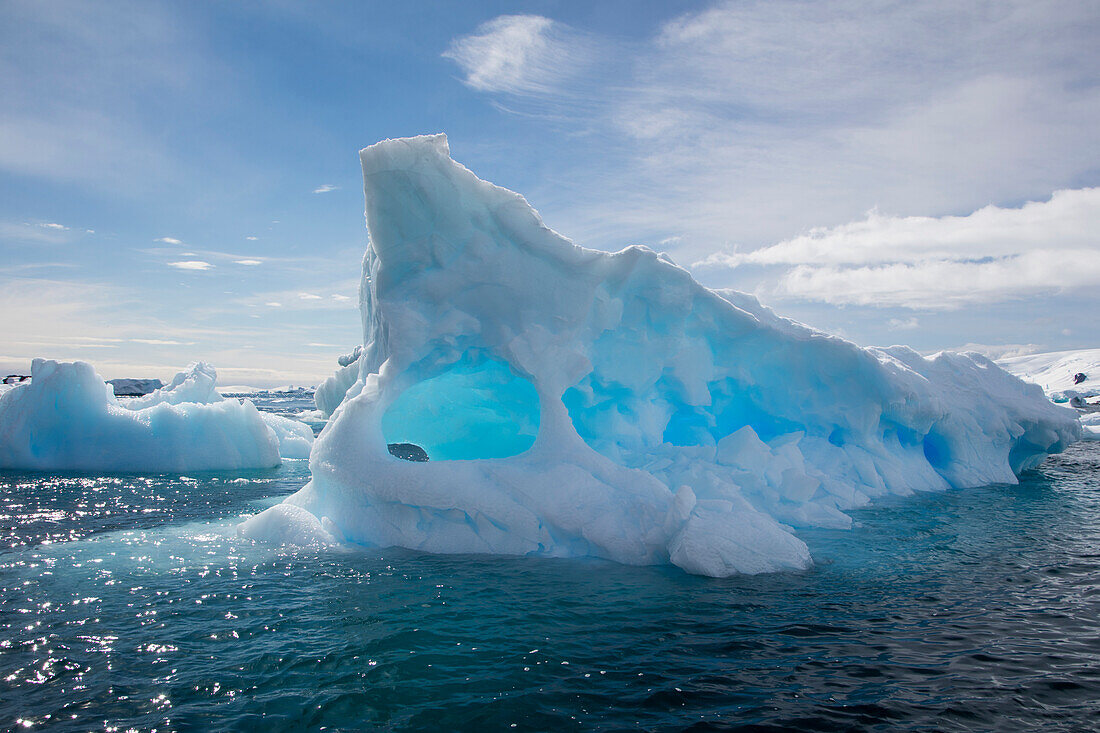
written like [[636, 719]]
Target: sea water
[[127, 602]]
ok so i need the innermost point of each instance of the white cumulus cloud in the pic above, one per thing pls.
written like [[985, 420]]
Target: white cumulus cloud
[[941, 263], [323, 188], [191, 265]]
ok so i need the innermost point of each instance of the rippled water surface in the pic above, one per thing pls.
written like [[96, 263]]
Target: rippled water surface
[[127, 602]]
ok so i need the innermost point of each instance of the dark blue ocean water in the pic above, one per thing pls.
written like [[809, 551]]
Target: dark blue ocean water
[[128, 603]]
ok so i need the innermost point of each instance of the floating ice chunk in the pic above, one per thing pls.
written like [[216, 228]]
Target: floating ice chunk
[[286, 524], [198, 384], [195, 384], [1091, 425], [67, 418], [295, 438], [575, 402]]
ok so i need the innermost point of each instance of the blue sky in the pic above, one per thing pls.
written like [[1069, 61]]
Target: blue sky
[[180, 181]]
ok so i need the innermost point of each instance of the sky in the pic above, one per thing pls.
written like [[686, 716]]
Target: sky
[[180, 181]]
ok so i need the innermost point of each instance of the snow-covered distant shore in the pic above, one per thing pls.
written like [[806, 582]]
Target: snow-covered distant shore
[[1067, 377]]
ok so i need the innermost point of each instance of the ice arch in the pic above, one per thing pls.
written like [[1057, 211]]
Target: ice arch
[[675, 423], [475, 408]]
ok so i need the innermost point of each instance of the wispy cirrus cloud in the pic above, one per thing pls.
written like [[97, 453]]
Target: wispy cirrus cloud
[[522, 54], [39, 233], [325, 188]]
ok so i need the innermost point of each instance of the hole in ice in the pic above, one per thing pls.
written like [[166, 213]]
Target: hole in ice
[[477, 408]]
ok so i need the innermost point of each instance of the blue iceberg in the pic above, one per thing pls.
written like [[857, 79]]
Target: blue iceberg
[[580, 403]]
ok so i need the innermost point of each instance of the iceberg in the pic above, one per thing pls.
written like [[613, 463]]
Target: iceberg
[[198, 385], [580, 403], [67, 418]]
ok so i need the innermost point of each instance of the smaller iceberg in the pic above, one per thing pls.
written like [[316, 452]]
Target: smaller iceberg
[[68, 419]]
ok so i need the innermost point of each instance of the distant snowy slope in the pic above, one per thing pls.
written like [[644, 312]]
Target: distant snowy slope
[[1054, 371], [575, 402]]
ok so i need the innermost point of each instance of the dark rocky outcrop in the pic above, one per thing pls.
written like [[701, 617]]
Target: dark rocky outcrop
[[134, 387]]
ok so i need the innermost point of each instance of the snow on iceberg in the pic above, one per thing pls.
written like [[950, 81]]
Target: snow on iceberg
[[330, 393], [198, 385], [67, 418], [576, 402]]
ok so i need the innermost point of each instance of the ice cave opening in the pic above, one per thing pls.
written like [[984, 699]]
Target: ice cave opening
[[476, 407]]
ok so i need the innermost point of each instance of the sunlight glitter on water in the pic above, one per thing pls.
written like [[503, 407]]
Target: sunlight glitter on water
[[966, 609]]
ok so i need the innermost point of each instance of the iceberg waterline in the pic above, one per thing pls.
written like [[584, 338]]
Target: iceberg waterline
[[67, 418], [608, 405]]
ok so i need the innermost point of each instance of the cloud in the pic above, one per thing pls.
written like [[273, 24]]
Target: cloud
[[340, 298], [324, 188], [945, 284], [168, 240], [749, 122], [54, 225], [36, 233], [525, 55], [992, 254], [248, 262], [903, 324], [309, 296], [162, 342], [191, 265], [251, 239], [273, 304], [1001, 351]]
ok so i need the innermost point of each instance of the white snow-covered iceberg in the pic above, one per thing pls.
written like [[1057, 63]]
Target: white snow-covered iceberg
[[198, 385], [67, 418], [575, 402]]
